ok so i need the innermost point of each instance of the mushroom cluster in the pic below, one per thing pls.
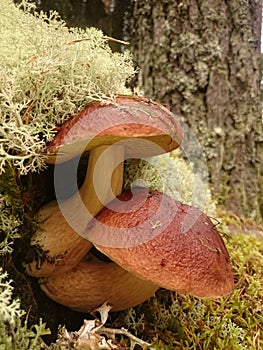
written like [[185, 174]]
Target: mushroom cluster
[[151, 239]]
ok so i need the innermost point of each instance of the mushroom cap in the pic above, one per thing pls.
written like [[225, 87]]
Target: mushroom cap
[[93, 282], [122, 120], [168, 243], [55, 247]]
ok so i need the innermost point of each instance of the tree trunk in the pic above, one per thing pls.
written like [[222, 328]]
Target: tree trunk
[[202, 58], [107, 15]]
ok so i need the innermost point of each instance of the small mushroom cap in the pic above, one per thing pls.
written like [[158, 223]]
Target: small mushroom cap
[[125, 118], [55, 248], [93, 282], [165, 242]]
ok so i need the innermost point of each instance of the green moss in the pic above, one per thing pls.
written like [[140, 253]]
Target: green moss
[[16, 219], [176, 321], [173, 321]]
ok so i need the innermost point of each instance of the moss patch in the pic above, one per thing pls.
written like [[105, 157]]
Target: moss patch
[[174, 321]]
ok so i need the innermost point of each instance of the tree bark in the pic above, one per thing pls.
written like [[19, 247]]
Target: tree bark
[[202, 58], [107, 15]]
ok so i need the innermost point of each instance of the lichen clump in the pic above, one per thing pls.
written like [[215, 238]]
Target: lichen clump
[[170, 174], [14, 333], [48, 73]]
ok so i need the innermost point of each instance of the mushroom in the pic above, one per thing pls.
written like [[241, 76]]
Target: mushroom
[[57, 245], [125, 127], [165, 242], [93, 282]]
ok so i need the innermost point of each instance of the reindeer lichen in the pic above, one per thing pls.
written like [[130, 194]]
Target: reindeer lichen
[[172, 175], [15, 333], [48, 73]]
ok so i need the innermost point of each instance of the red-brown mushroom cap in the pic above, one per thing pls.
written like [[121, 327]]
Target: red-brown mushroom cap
[[108, 131], [127, 117], [192, 261]]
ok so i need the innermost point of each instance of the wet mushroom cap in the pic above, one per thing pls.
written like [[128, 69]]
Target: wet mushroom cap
[[127, 117], [165, 242]]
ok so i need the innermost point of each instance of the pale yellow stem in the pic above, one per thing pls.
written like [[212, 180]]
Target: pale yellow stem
[[58, 243]]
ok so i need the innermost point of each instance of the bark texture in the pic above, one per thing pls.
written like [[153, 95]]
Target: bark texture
[[202, 58], [107, 15]]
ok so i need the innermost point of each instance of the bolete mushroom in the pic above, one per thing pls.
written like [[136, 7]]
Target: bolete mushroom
[[110, 127], [58, 246], [93, 282], [157, 242]]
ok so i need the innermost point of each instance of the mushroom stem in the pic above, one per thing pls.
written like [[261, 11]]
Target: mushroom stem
[[58, 244], [93, 282], [102, 176]]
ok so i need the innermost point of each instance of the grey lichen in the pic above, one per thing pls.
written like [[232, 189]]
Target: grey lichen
[[9, 226], [48, 73], [172, 175], [15, 333]]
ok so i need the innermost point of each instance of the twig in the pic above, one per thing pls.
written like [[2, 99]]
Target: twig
[[105, 37], [124, 332], [216, 250], [75, 41], [116, 40]]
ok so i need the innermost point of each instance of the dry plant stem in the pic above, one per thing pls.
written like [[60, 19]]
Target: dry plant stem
[[59, 246], [109, 38], [135, 340]]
